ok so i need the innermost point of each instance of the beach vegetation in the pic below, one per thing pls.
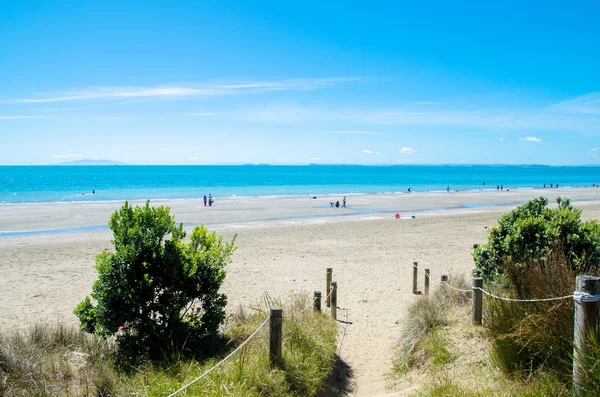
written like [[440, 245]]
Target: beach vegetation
[[62, 360], [156, 294], [422, 341], [530, 233]]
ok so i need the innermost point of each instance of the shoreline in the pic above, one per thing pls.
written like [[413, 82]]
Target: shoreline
[[309, 196], [21, 219]]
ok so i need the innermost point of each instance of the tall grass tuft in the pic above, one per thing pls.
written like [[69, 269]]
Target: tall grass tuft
[[421, 341], [532, 336]]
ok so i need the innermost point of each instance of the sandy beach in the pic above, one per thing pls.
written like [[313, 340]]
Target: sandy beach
[[284, 245]]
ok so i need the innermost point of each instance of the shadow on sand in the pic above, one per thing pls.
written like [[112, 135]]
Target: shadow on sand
[[341, 380]]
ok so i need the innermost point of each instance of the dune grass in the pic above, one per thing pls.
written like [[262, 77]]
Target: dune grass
[[422, 340], [60, 360]]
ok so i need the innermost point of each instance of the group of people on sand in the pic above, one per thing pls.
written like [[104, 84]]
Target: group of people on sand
[[209, 199], [337, 203], [551, 185]]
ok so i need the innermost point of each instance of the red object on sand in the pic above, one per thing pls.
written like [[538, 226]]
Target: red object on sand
[[397, 216]]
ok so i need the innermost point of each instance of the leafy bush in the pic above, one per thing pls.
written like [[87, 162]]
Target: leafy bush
[[62, 361], [528, 234], [157, 294]]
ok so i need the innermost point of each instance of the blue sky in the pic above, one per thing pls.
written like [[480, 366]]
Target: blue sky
[[212, 82]]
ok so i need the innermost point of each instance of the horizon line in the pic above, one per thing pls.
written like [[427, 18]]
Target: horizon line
[[68, 164]]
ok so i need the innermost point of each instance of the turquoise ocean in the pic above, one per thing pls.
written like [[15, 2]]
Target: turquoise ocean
[[29, 184]]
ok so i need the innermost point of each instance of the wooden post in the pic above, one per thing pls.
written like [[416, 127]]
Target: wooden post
[[586, 326], [328, 276], [426, 281], [334, 300], [415, 270], [275, 336], [317, 301], [477, 307]]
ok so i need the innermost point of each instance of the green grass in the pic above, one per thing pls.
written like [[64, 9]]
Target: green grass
[[542, 386], [62, 361]]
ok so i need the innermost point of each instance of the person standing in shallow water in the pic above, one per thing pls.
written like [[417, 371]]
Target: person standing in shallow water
[[344, 202]]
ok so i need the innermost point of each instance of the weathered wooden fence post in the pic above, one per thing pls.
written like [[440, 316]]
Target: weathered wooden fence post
[[415, 271], [477, 307], [426, 282], [443, 281], [586, 325], [328, 286], [334, 300], [275, 336], [317, 301]]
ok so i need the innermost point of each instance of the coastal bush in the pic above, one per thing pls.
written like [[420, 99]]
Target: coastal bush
[[158, 295], [529, 234], [59, 360]]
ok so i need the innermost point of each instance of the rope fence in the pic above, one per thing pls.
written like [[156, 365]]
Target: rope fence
[[275, 321], [222, 361], [586, 313]]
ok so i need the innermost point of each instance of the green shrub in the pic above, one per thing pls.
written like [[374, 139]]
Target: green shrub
[[63, 361], [529, 234], [157, 294]]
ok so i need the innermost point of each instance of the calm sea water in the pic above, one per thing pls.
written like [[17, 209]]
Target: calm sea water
[[19, 184]]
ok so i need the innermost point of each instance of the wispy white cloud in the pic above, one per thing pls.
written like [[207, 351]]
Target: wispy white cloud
[[531, 139], [378, 154], [186, 90], [585, 104], [192, 157], [501, 139], [499, 118], [594, 149], [21, 117], [407, 150], [367, 151], [67, 156]]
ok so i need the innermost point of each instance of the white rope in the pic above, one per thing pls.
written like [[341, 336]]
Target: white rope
[[525, 300], [301, 311], [222, 361], [457, 289], [309, 306]]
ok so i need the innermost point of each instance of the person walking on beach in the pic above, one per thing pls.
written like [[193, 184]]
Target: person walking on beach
[[408, 190], [210, 200], [448, 188], [205, 200], [497, 187], [344, 202]]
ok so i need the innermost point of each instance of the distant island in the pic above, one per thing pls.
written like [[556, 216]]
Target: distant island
[[91, 162]]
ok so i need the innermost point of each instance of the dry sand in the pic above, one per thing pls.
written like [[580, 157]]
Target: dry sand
[[43, 277]]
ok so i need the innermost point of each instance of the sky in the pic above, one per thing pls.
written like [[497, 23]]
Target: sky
[[278, 82]]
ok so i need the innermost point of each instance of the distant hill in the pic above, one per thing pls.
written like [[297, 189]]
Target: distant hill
[[91, 162]]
